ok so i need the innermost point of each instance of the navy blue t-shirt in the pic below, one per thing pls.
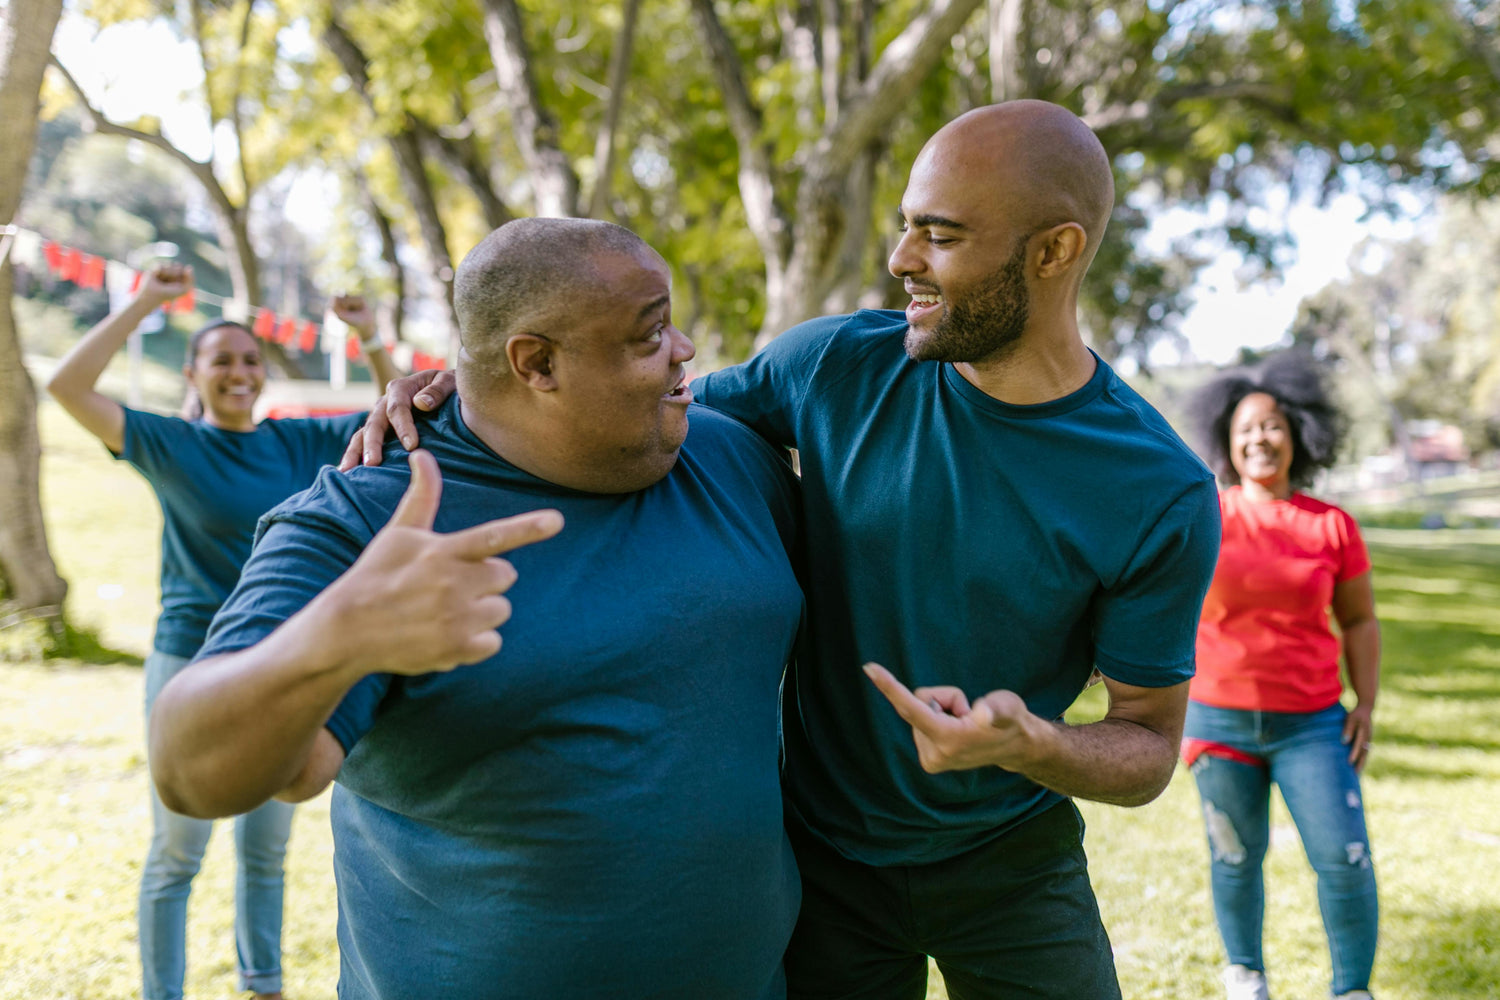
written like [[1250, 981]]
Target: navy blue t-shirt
[[213, 485], [960, 540], [594, 811]]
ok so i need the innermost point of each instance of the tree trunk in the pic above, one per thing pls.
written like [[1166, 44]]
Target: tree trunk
[[605, 147], [29, 583], [392, 311], [406, 148], [552, 177], [810, 254]]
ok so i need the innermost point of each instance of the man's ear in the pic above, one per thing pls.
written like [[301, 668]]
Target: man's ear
[[1063, 246], [531, 359]]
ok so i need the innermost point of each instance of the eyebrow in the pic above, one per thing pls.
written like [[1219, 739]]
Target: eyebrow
[[929, 221], [652, 306]]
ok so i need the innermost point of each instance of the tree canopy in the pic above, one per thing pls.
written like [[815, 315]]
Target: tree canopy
[[762, 144]]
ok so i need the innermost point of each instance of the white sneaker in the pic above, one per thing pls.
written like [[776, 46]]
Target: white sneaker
[[1241, 983], [1355, 995]]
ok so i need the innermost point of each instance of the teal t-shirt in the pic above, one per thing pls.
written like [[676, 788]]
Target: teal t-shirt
[[213, 485], [594, 812], [960, 540]]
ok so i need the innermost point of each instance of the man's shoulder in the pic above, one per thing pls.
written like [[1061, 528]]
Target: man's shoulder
[[716, 438], [847, 331], [1152, 436]]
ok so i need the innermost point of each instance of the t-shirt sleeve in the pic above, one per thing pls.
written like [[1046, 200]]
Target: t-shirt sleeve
[[1145, 626], [152, 441], [1354, 558], [767, 392], [325, 438], [780, 487], [301, 548]]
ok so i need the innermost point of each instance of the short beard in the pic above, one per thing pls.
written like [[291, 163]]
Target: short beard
[[987, 325]]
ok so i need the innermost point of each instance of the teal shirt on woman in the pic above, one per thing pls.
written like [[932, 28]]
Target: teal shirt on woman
[[213, 485]]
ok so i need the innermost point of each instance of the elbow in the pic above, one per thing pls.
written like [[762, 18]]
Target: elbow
[[184, 781], [303, 788], [1150, 779], [57, 386], [1152, 787], [177, 793]]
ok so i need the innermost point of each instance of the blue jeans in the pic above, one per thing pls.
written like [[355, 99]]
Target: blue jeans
[[177, 844], [1304, 756]]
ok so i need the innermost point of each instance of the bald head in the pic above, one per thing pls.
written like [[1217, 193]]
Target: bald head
[[532, 276], [1046, 163]]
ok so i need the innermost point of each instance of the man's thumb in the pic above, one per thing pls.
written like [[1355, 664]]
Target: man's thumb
[[419, 505]]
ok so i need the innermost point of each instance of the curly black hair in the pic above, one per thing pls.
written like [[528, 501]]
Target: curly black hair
[[1296, 382]]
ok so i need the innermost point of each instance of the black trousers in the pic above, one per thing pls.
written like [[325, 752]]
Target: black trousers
[[1014, 918]]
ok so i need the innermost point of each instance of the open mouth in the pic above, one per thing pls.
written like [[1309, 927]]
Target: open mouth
[[923, 304], [680, 393]]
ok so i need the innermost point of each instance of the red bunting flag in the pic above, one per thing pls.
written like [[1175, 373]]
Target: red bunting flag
[[135, 282], [265, 324], [54, 255], [92, 272], [426, 362], [72, 264], [309, 339], [351, 347], [182, 304], [286, 330]]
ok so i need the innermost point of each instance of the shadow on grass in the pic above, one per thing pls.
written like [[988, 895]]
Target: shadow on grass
[[33, 641], [83, 645]]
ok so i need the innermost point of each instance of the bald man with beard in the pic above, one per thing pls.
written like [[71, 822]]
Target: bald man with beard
[[991, 516]]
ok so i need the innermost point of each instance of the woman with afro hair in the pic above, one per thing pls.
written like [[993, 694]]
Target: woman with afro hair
[[1265, 707]]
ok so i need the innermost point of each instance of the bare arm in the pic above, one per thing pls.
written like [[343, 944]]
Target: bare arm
[[72, 385], [1126, 758], [353, 309], [232, 731], [1354, 610], [323, 764]]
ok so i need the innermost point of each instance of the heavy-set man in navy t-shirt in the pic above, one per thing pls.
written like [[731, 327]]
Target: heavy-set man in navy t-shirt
[[592, 809], [991, 514]]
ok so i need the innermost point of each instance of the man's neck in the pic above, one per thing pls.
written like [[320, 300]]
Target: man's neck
[[1039, 369]]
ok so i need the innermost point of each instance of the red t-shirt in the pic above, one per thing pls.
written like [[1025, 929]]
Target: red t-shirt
[[1264, 641]]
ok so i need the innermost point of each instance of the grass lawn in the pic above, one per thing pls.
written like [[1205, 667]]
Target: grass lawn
[[74, 820]]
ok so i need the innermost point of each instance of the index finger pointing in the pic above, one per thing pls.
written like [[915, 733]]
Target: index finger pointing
[[907, 705], [505, 534]]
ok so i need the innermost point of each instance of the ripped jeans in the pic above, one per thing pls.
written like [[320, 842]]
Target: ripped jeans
[[1304, 757]]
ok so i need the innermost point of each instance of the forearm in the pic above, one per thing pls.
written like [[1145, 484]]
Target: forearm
[[1113, 760], [231, 732], [83, 365], [1362, 660], [73, 382], [382, 365]]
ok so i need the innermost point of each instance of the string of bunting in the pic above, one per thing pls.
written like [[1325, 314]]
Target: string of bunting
[[91, 271]]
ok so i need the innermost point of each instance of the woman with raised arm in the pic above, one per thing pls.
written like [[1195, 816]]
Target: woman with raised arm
[[1265, 707], [214, 476]]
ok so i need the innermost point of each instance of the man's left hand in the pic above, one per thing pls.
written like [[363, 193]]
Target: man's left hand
[[952, 735]]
